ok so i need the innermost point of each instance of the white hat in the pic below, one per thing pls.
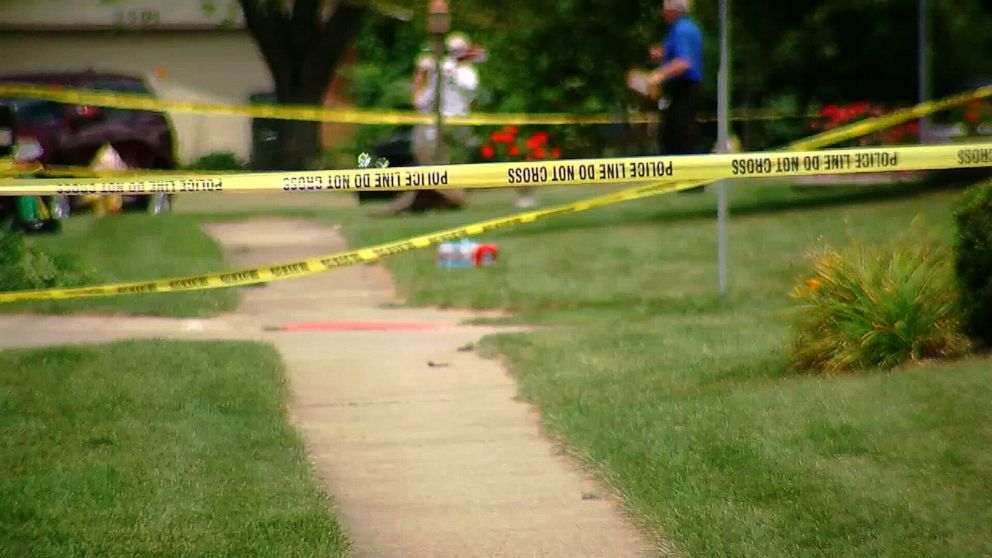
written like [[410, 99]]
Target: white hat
[[425, 62], [679, 5], [457, 43]]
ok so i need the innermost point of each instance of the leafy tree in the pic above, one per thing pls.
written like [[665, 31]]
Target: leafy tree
[[843, 50], [550, 55], [543, 56], [571, 55]]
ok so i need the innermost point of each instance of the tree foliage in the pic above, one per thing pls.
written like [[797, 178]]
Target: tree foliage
[[843, 50], [571, 55]]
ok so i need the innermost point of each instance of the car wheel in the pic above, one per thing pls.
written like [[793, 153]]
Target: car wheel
[[159, 204], [61, 207]]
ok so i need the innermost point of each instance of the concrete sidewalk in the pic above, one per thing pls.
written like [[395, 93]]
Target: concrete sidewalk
[[424, 448]]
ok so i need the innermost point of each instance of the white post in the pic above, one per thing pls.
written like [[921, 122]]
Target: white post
[[723, 143]]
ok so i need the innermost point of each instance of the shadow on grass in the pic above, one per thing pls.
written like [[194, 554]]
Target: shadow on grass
[[619, 310], [770, 370], [745, 208]]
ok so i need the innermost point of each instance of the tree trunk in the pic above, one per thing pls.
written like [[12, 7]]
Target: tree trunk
[[302, 51], [297, 144]]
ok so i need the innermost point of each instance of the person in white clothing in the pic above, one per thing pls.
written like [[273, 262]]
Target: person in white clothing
[[460, 83]]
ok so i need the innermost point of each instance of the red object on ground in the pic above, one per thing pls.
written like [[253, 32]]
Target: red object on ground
[[484, 250]]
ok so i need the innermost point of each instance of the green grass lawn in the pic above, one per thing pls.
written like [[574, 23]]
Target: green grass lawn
[[683, 401], [154, 449], [679, 398], [645, 257], [135, 247]]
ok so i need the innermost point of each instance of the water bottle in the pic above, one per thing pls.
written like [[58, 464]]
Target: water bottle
[[465, 254], [446, 255]]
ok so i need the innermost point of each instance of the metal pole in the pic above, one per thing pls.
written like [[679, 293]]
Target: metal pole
[[438, 94], [924, 70], [723, 143]]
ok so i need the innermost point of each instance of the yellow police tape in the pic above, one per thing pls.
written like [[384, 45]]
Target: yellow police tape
[[311, 266], [69, 171], [306, 113], [257, 275], [634, 170], [38, 170], [9, 168], [132, 101], [871, 125]]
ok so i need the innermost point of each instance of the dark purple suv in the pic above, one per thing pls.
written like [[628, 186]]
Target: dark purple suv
[[62, 134]]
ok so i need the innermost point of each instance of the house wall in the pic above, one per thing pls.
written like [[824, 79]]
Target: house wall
[[184, 52], [118, 14], [206, 66]]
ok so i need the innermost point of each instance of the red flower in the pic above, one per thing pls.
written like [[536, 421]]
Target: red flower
[[488, 151], [972, 116], [540, 153], [555, 153], [514, 150], [829, 111], [860, 108], [511, 130]]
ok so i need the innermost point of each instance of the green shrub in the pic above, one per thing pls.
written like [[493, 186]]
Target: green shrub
[[220, 161], [973, 260], [876, 307], [24, 267]]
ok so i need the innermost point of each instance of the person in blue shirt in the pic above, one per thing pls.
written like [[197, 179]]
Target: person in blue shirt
[[680, 75]]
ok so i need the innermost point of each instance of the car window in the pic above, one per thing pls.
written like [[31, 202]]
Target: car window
[[117, 115], [121, 86], [38, 112]]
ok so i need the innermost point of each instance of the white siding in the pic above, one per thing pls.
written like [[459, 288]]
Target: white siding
[[83, 14]]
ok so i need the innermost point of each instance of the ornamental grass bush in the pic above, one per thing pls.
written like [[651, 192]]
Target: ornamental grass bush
[[25, 267], [876, 307]]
